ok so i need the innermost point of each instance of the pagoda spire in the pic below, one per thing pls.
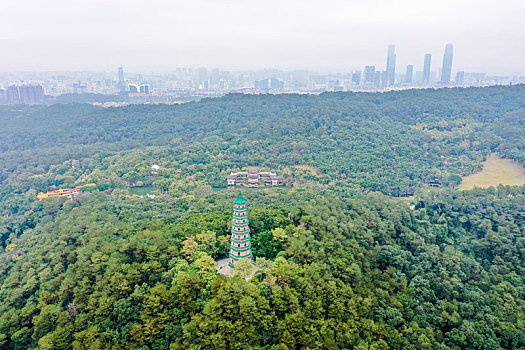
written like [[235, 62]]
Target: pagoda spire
[[240, 246]]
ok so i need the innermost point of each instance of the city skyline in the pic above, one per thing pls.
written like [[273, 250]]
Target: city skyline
[[192, 84], [418, 62], [326, 36], [389, 68]]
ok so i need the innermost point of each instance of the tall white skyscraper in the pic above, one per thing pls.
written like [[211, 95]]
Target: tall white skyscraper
[[426, 69], [391, 65], [447, 64]]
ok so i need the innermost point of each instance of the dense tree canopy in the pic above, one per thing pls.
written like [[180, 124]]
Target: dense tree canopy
[[341, 261]]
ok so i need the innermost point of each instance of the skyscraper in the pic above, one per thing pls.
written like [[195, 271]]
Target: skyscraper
[[384, 79], [121, 83], [276, 84], [410, 71], [447, 65], [13, 96], [460, 77], [264, 84], [370, 72], [356, 78], [27, 94], [426, 69], [377, 79], [391, 65]]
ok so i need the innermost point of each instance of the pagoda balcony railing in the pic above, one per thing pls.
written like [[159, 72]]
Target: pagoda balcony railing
[[240, 224], [240, 232], [240, 249], [240, 240], [240, 257]]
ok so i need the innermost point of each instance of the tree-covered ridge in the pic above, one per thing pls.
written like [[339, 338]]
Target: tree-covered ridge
[[364, 272], [388, 142]]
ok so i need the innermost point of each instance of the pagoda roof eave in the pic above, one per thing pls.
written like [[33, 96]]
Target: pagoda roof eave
[[240, 199]]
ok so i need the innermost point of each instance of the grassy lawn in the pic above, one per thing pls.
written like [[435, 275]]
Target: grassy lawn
[[142, 191], [495, 171]]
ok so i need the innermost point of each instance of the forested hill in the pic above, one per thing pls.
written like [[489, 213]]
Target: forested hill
[[341, 261], [388, 142]]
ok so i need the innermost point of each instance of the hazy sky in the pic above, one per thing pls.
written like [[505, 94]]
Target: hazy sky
[[335, 35]]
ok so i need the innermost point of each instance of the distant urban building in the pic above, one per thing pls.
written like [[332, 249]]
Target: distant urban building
[[31, 94], [408, 76], [331, 84], [377, 79], [385, 79], [27, 94], [276, 84], [426, 69], [446, 70], [370, 73], [203, 74], [419, 76], [79, 88], [391, 65], [460, 78], [477, 77], [267, 84], [264, 84], [12, 95], [138, 88], [356, 78], [121, 82]]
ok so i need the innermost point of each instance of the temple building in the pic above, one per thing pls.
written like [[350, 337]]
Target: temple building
[[254, 178], [240, 246], [65, 192]]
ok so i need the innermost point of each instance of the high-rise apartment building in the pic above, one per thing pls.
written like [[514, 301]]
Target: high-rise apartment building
[[409, 73], [276, 84], [446, 70], [27, 94], [356, 77], [384, 80], [377, 79], [391, 65], [426, 69], [13, 97], [460, 78], [370, 72], [264, 84], [121, 83]]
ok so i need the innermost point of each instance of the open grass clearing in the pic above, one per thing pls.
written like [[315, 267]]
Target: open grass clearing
[[495, 171]]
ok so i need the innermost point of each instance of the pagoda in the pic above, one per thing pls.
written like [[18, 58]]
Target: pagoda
[[240, 246]]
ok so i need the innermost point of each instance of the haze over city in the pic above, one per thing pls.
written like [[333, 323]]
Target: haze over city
[[327, 36]]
